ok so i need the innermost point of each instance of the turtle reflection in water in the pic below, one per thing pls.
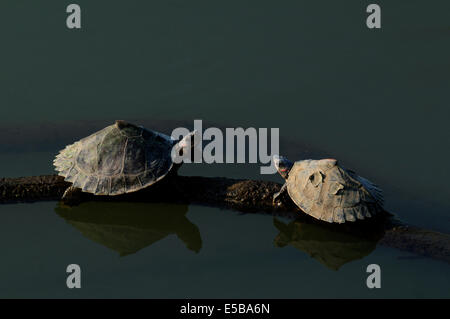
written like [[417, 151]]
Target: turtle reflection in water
[[130, 227], [324, 242]]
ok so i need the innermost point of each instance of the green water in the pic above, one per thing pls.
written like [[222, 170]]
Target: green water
[[200, 252], [376, 100]]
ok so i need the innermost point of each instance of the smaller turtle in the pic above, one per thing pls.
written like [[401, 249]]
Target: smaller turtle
[[119, 159], [328, 192]]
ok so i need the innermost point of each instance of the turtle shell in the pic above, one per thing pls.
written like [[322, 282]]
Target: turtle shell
[[328, 192], [118, 159]]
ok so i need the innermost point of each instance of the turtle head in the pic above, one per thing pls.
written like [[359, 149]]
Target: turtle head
[[189, 140], [188, 143], [283, 165]]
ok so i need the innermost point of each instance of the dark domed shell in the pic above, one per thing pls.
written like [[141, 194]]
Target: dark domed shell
[[118, 159]]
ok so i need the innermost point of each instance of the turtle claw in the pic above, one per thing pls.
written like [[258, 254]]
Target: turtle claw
[[72, 196], [275, 200]]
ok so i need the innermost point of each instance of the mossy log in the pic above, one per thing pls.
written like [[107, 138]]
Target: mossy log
[[247, 196]]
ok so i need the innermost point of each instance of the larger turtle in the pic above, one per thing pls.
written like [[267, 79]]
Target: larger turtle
[[121, 158], [328, 192]]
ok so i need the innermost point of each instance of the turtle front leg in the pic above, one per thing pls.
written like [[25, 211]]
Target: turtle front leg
[[72, 196], [276, 196]]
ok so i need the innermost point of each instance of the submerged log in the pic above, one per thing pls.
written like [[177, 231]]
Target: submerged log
[[247, 196]]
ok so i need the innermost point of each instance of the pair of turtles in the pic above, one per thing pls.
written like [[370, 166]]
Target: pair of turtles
[[124, 158]]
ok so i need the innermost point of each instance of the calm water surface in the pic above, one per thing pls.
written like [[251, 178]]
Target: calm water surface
[[376, 100], [131, 250]]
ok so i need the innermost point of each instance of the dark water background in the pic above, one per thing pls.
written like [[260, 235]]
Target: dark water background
[[375, 99]]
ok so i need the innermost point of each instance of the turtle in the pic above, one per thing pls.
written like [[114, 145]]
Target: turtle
[[119, 159], [328, 192]]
